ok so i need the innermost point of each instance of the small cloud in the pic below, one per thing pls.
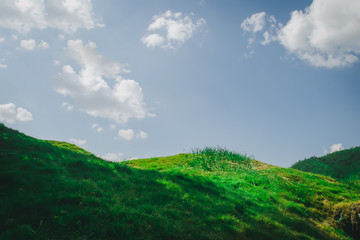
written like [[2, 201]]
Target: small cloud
[[113, 157], [254, 23], [78, 142], [3, 66], [56, 62], [61, 37], [2, 40], [67, 106], [28, 45], [141, 135], [336, 147], [112, 127], [97, 127], [10, 114], [14, 37], [43, 45], [171, 30], [127, 134]]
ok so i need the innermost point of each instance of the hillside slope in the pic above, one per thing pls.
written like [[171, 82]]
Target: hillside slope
[[54, 190], [343, 164]]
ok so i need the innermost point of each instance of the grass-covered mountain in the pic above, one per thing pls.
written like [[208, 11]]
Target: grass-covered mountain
[[55, 190], [343, 164]]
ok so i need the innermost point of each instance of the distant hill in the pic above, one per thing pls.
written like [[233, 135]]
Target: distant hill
[[56, 190], [343, 164]]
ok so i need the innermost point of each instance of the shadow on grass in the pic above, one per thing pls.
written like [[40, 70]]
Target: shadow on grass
[[48, 192]]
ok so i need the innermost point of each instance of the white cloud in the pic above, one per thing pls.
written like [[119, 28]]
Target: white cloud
[[141, 135], [2, 65], [326, 34], [28, 45], [170, 30], [91, 92], [78, 142], [127, 134], [43, 45], [56, 62], [113, 157], [22, 15], [112, 127], [67, 106], [258, 23], [2, 40], [254, 23], [336, 147], [10, 114], [97, 127], [14, 37], [68, 16], [152, 40]]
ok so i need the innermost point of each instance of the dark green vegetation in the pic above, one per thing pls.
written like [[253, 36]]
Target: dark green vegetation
[[344, 165], [55, 190]]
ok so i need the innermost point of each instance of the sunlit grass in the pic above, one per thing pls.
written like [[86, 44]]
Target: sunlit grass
[[54, 190]]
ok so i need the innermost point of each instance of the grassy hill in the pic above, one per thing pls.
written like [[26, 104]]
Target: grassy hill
[[343, 164], [55, 190]]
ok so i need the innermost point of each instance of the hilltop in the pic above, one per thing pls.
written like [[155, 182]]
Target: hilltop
[[343, 164], [56, 190]]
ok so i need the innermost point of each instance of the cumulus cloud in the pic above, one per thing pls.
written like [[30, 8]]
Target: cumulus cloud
[[170, 30], [113, 157], [2, 40], [10, 114], [28, 45], [325, 34], [78, 142], [68, 16], [92, 93]]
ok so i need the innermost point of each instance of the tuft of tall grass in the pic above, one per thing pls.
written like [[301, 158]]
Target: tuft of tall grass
[[218, 159]]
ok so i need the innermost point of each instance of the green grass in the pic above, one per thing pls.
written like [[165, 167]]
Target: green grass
[[344, 165], [52, 190]]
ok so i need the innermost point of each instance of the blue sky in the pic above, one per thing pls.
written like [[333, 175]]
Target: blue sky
[[132, 79]]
